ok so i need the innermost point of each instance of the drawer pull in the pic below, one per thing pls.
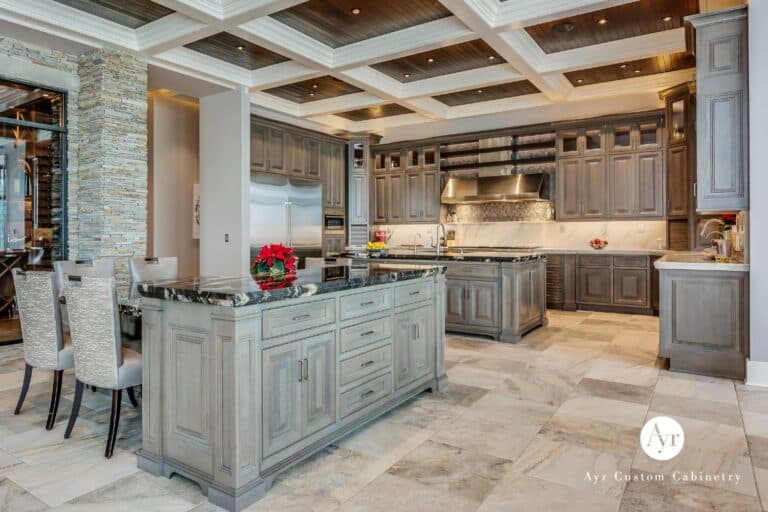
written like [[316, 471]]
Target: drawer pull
[[367, 363], [306, 369], [301, 371], [367, 393], [415, 293], [301, 317], [367, 333], [368, 303]]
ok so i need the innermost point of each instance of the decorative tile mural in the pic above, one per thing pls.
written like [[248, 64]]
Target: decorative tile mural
[[500, 212]]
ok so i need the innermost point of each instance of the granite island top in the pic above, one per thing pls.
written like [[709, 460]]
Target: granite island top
[[239, 291], [474, 256]]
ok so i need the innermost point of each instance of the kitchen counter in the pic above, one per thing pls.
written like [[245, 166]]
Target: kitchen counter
[[475, 256], [697, 261], [248, 290]]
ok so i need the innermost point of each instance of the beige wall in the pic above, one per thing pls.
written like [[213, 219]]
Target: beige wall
[[174, 168]]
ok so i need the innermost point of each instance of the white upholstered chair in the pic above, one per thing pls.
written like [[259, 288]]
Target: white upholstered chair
[[104, 267], [41, 330], [100, 359]]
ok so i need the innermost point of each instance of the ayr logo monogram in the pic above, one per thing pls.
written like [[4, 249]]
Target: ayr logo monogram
[[662, 438]]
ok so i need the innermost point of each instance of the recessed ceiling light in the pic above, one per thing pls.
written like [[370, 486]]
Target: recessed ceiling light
[[667, 18], [355, 11], [430, 60], [311, 94], [563, 27], [240, 47], [623, 66], [314, 86], [479, 91], [580, 81], [637, 71], [491, 57], [407, 75], [602, 21]]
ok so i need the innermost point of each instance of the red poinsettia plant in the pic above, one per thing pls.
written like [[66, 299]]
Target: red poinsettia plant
[[274, 260]]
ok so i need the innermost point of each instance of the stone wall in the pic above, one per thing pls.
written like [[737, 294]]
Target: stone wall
[[106, 144], [112, 175]]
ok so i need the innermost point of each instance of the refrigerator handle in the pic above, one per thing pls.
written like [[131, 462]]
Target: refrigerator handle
[[289, 217]]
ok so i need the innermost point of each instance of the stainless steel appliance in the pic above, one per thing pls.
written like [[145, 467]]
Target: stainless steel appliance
[[287, 211], [334, 224]]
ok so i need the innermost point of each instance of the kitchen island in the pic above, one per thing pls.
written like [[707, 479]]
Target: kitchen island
[[245, 377]]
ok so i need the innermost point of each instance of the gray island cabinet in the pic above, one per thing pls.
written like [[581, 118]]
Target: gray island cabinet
[[241, 383]]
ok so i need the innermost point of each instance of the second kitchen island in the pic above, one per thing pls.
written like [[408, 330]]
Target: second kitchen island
[[244, 378]]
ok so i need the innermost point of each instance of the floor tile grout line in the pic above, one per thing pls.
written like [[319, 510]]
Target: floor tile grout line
[[749, 446]]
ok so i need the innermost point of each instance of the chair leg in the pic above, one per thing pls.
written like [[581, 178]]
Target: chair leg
[[132, 397], [75, 408], [58, 377], [114, 421], [24, 388]]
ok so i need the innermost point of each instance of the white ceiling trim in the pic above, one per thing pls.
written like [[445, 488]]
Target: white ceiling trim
[[500, 105], [629, 86], [340, 104], [282, 73], [275, 103], [192, 73], [488, 76], [202, 65], [515, 14], [280, 38], [170, 32]]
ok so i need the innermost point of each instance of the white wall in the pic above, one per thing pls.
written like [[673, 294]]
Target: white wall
[[174, 167], [224, 180], [758, 176]]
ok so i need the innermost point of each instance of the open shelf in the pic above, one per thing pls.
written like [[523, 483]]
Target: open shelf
[[521, 146]]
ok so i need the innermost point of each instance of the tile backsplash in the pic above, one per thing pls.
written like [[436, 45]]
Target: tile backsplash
[[500, 212], [560, 235]]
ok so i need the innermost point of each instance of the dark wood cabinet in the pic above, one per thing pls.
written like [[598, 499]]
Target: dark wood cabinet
[[258, 147], [388, 191], [333, 245], [630, 287], [406, 186], [594, 285], [568, 189], [276, 151], [622, 185], [678, 189], [295, 154], [594, 187], [311, 157], [422, 196], [332, 173], [649, 185], [472, 303]]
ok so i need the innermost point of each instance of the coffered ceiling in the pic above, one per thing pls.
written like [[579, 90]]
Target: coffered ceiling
[[379, 65]]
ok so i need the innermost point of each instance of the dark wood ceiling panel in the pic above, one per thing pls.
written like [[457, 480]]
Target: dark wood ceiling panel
[[237, 51], [441, 61], [620, 22], [313, 90], [132, 14], [493, 92], [334, 22], [364, 114], [632, 69]]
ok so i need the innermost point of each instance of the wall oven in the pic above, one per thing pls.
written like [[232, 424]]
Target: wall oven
[[334, 224]]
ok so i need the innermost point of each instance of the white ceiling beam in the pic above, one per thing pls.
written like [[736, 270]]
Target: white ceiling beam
[[428, 36], [200, 66], [207, 11], [282, 73], [154, 61], [639, 47], [340, 104], [629, 86], [500, 105], [276, 103], [273, 35], [470, 79], [170, 32], [463, 9]]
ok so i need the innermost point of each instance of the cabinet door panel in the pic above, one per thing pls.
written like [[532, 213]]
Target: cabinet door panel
[[594, 187], [422, 348], [295, 154], [358, 209], [381, 199], [339, 189], [403, 333], [456, 298], [276, 151], [630, 287], [650, 185], [677, 181], [333, 245], [431, 194], [258, 147], [414, 196], [319, 393], [622, 179], [594, 285], [568, 184], [396, 198], [282, 397], [483, 304], [312, 158]]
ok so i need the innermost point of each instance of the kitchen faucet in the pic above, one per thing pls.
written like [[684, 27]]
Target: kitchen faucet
[[440, 226], [417, 237], [708, 236]]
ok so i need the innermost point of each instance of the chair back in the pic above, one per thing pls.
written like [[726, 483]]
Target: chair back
[[39, 316], [94, 323], [103, 267], [151, 269]]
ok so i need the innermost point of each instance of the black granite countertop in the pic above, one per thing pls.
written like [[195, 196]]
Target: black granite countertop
[[489, 256], [248, 290]]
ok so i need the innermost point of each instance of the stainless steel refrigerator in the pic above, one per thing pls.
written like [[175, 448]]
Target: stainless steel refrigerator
[[287, 211]]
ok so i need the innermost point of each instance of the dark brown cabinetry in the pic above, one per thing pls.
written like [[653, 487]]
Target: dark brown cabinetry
[[582, 188], [678, 190], [388, 198], [332, 173], [406, 186]]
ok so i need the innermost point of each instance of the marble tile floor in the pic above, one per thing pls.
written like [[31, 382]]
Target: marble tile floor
[[519, 428]]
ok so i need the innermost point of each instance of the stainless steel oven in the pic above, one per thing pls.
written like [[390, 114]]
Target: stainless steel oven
[[334, 224]]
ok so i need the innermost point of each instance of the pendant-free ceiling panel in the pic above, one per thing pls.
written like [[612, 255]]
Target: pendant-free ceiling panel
[[237, 51], [364, 114], [129, 13]]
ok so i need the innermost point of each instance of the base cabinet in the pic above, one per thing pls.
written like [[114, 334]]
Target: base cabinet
[[472, 303], [413, 345], [704, 321], [523, 298]]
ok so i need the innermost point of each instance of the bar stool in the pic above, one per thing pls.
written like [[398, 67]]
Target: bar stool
[[100, 359], [41, 330], [103, 267], [151, 269]]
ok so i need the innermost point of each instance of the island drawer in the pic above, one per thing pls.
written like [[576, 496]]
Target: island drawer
[[356, 336], [366, 394], [630, 261], [415, 292], [586, 260], [365, 303], [469, 270], [365, 364], [288, 319]]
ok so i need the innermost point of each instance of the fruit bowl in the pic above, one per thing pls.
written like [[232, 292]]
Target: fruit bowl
[[598, 243]]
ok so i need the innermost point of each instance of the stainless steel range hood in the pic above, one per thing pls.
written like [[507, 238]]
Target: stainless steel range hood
[[487, 189]]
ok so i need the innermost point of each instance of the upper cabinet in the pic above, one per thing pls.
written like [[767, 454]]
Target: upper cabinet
[[333, 175], [409, 192], [581, 141], [721, 110]]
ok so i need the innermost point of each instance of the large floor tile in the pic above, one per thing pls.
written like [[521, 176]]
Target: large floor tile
[[13, 498], [388, 440], [629, 414], [696, 408], [614, 390], [593, 434], [499, 407], [551, 387], [695, 386], [503, 440]]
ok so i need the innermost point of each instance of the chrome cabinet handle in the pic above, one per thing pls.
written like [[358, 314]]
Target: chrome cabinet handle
[[301, 317], [306, 369], [415, 293], [367, 333], [367, 393], [368, 303], [367, 364], [301, 370]]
